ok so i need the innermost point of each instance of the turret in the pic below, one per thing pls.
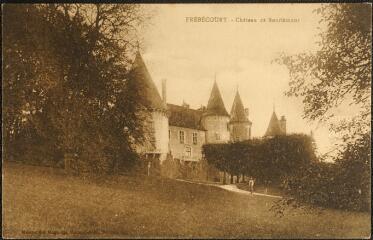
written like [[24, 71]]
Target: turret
[[239, 124], [275, 126], [215, 118], [156, 135]]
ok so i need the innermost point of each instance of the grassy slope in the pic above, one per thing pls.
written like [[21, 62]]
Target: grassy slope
[[43, 199]]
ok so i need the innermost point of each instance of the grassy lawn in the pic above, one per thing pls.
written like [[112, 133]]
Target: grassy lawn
[[43, 202]]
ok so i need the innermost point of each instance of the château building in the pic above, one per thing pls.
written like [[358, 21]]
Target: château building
[[178, 132]]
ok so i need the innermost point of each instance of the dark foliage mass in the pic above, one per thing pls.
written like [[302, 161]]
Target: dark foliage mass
[[65, 90], [343, 184], [338, 73], [290, 162], [267, 160], [341, 69]]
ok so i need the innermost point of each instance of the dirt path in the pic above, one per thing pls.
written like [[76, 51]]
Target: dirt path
[[231, 188]]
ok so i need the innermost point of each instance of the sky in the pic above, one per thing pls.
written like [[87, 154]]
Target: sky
[[190, 55]]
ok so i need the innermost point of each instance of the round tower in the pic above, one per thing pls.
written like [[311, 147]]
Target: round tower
[[215, 119], [239, 124], [155, 144]]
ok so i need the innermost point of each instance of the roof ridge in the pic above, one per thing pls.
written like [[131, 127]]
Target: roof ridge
[[184, 117], [180, 106]]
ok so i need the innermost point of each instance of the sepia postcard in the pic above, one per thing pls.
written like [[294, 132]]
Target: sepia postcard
[[244, 121]]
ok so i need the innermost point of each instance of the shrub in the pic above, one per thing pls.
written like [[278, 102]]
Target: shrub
[[344, 184]]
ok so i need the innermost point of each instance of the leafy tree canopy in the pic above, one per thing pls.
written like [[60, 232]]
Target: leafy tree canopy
[[65, 76], [339, 72], [268, 159]]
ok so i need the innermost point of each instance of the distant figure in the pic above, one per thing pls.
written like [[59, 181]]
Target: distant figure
[[149, 165], [251, 185]]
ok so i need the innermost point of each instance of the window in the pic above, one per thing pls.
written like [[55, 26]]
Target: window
[[217, 136], [169, 134], [188, 151], [181, 136], [195, 138]]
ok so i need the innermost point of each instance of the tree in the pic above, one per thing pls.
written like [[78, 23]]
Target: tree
[[344, 184], [69, 78], [339, 72], [30, 71], [355, 189]]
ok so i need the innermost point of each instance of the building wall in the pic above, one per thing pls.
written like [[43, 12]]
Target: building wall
[[160, 125], [178, 149], [282, 124], [240, 131], [217, 129]]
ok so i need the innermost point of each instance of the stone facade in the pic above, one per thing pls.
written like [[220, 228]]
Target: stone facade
[[217, 130], [186, 143], [160, 125], [240, 131]]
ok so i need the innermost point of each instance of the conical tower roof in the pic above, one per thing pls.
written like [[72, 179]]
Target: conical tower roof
[[273, 126], [238, 110], [215, 105], [148, 93]]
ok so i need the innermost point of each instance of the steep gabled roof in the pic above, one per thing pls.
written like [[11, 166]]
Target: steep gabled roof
[[148, 93], [273, 126], [238, 110], [215, 105], [180, 116]]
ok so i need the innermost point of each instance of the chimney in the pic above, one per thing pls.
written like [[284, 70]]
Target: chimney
[[246, 112], [164, 93], [283, 124], [185, 104], [202, 108]]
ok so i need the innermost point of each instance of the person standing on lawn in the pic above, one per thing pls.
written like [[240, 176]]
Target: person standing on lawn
[[251, 185]]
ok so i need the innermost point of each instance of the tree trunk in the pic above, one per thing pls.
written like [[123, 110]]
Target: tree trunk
[[68, 158], [116, 167], [224, 178]]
